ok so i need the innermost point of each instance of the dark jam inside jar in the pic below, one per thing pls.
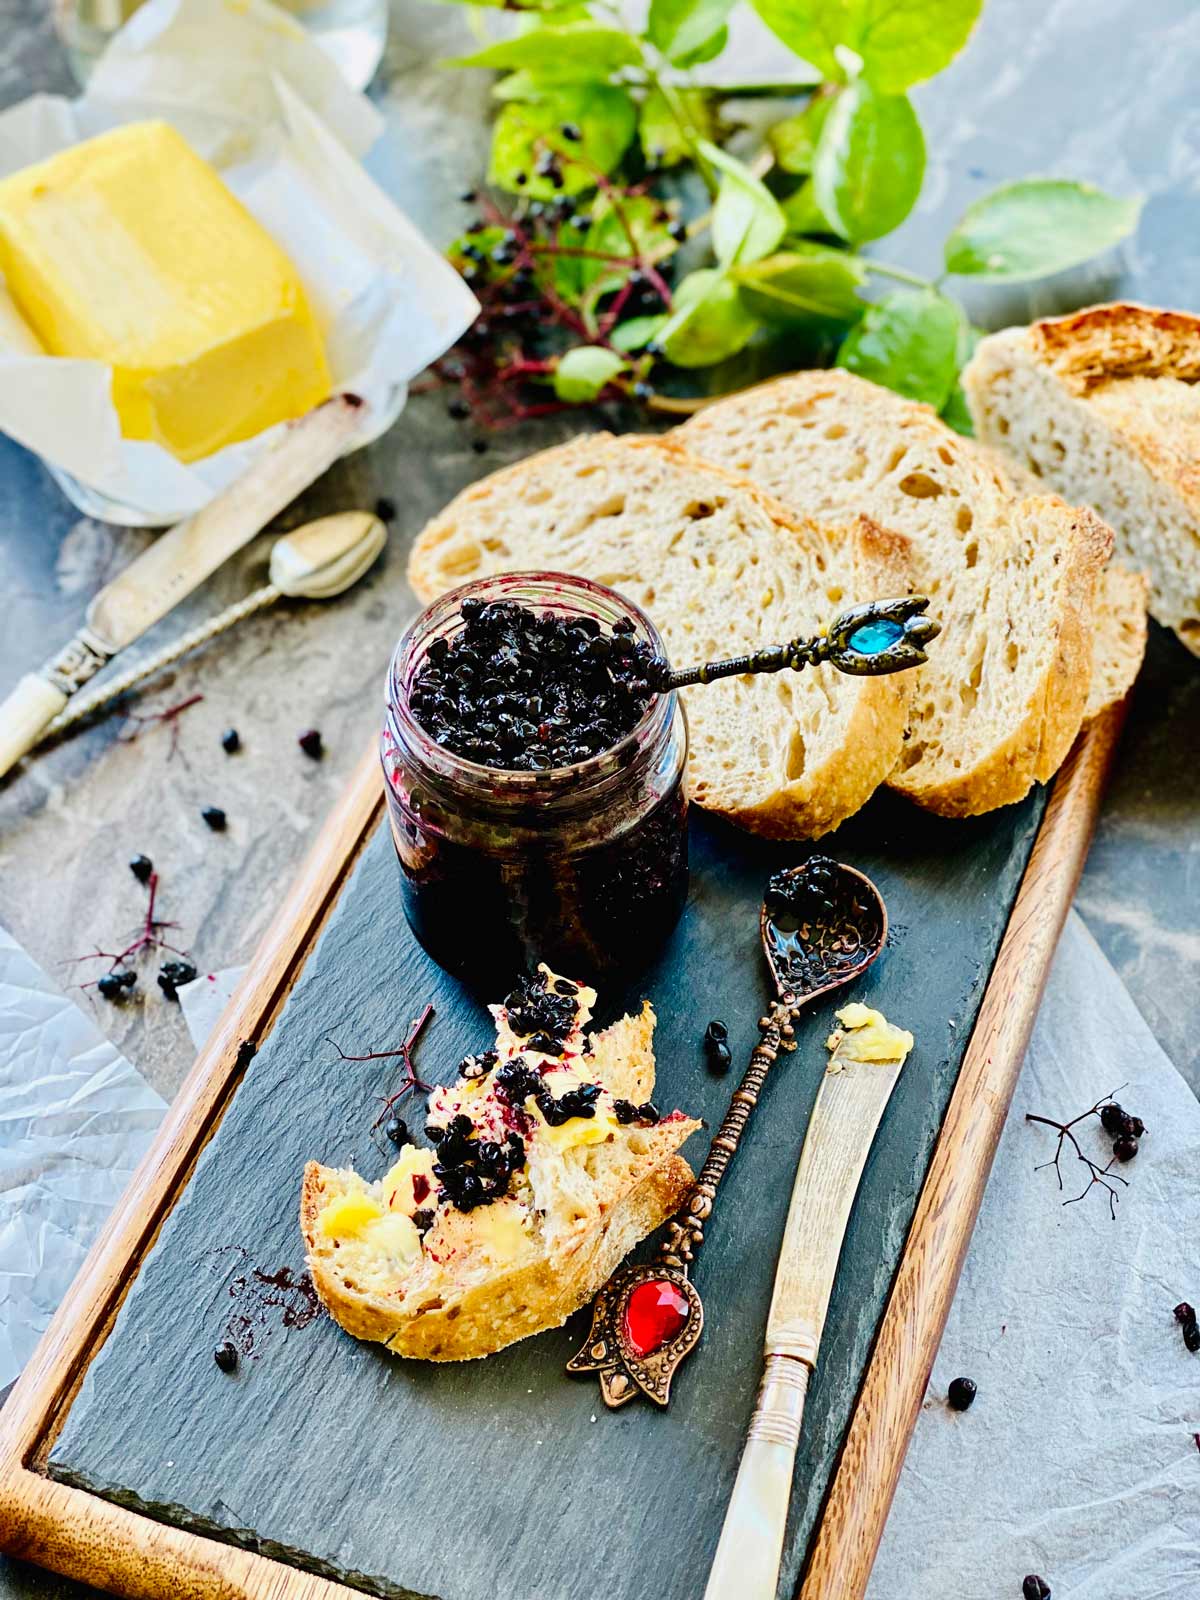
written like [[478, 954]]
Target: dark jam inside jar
[[548, 824]]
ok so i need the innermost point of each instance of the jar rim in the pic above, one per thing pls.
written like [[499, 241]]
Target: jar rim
[[551, 782]]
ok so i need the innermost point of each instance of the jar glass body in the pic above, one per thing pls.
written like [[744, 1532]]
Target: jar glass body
[[584, 867]]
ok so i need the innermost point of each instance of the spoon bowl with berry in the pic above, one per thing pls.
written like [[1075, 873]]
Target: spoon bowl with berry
[[821, 925]]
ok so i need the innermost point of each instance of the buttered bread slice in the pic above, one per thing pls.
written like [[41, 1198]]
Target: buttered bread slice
[[550, 1164], [1012, 578], [721, 568]]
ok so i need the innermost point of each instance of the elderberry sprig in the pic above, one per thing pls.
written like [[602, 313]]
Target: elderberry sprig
[[606, 134]]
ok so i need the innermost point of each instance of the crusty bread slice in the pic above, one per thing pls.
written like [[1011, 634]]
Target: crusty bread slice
[[480, 1280], [1104, 406], [721, 569], [1120, 639], [1012, 580]]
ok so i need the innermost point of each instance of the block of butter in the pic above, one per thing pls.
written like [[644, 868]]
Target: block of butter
[[129, 249]]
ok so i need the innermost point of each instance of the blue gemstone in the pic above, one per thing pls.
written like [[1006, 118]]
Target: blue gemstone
[[873, 637]]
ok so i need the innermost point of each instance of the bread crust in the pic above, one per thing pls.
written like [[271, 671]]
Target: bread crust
[[505, 1307], [826, 793], [1121, 339]]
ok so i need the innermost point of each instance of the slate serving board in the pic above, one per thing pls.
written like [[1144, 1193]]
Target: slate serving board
[[505, 1477]]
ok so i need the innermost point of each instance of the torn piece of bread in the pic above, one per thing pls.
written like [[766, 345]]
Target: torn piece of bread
[[552, 1165], [721, 569], [1012, 579], [1104, 406]]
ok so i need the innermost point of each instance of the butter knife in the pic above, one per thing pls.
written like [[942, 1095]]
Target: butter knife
[[849, 1106], [176, 563]]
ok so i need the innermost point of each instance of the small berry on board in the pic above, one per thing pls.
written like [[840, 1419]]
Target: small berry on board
[[141, 867], [226, 1356], [960, 1396], [311, 743], [1035, 1588], [396, 1129], [231, 741], [716, 1046], [215, 818]]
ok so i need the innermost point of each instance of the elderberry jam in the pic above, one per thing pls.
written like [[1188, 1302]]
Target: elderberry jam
[[506, 860]]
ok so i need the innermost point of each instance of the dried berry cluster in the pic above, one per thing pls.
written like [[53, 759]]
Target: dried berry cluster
[[1125, 1130]]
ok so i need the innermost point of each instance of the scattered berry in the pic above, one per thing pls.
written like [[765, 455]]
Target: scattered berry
[[231, 741], [215, 818], [459, 410], [385, 509], [960, 1396], [480, 446], [396, 1130], [648, 1112], [716, 1046], [571, 131], [468, 197], [111, 987], [1191, 1338], [173, 975], [141, 867], [1184, 1313], [1035, 1588], [226, 1356], [311, 743]]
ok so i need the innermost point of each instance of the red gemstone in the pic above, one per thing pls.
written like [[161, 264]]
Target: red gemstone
[[654, 1314]]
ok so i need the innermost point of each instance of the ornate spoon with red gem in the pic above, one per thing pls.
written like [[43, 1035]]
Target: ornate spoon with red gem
[[821, 925]]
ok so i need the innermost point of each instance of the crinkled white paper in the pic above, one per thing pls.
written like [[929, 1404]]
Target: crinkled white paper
[[75, 1118], [250, 91], [1078, 1460]]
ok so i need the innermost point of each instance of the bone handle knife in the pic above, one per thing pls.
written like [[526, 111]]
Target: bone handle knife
[[176, 563], [841, 1131]]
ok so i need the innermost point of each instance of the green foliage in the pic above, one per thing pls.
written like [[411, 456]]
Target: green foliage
[[590, 114], [1038, 226], [909, 341], [869, 163], [583, 372]]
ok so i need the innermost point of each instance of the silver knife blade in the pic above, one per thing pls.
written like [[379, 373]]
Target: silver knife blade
[[181, 559]]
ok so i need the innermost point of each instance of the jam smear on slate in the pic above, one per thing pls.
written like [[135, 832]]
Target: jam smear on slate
[[526, 691]]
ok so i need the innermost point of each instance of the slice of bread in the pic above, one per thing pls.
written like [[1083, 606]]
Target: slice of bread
[[721, 569], [1120, 639], [1104, 406], [397, 1261], [1012, 580]]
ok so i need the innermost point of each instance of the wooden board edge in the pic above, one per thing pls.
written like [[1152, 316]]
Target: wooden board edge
[[69, 1530], [856, 1508]]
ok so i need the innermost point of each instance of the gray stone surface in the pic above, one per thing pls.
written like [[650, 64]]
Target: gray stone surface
[[498, 1463], [1101, 89]]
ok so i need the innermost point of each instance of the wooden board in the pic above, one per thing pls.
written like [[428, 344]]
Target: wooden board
[[329, 1454]]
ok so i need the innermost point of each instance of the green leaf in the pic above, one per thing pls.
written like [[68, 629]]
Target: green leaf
[[606, 117], [578, 50], [613, 223], [708, 51], [869, 163], [802, 283], [900, 42], [661, 137], [802, 213], [486, 239], [956, 413], [637, 332], [908, 342], [583, 372], [680, 27], [794, 140], [1037, 226], [746, 221], [708, 321]]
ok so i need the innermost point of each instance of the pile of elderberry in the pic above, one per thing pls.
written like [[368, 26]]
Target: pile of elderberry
[[1126, 1130], [471, 1171], [527, 691], [542, 1014]]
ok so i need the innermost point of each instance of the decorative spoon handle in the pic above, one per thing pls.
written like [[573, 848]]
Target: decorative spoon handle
[[866, 641], [685, 1233]]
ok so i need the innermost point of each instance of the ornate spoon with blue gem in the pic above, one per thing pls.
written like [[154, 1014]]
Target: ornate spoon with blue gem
[[821, 925], [865, 641]]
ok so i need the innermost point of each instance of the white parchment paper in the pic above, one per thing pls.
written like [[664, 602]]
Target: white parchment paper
[[75, 1118], [1078, 1460], [250, 91]]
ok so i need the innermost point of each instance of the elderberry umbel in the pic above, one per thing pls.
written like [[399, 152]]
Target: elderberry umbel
[[528, 690], [534, 783]]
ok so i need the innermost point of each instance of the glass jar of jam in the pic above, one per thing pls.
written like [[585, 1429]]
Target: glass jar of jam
[[582, 866]]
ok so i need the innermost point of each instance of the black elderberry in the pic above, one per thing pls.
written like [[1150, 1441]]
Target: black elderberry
[[1191, 1337], [126, 978], [648, 1112], [396, 1129], [468, 197], [111, 987], [385, 509], [1035, 1588], [226, 1356], [625, 1112], [1125, 1148], [311, 743], [459, 410], [423, 1220], [173, 975], [480, 446], [231, 741], [434, 1133], [571, 131], [215, 818], [960, 1396], [1112, 1118], [716, 1046], [1184, 1313], [141, 867]]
